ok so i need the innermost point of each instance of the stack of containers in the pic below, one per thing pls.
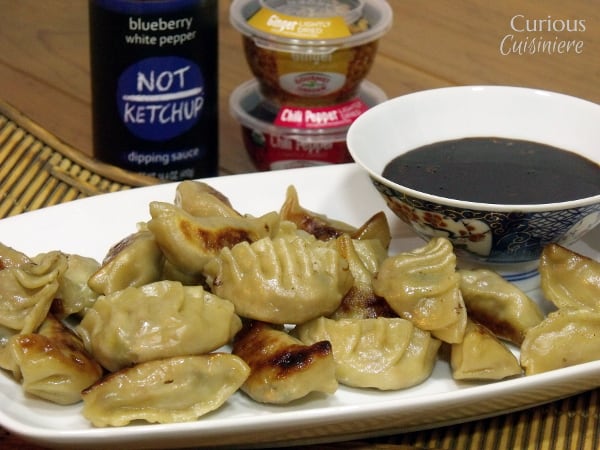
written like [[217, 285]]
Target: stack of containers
[[310, 59]]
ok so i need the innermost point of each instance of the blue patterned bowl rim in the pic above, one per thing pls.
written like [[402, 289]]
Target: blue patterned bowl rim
[[357, 128]]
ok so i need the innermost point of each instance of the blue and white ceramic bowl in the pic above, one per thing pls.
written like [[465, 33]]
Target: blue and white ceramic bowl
[[481, 233]]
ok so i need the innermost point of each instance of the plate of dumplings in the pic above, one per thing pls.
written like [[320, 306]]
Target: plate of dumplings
[[269, 309]]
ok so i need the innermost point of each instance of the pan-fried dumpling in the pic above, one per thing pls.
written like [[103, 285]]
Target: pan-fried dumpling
[[74, 295], [280, 280], [7, 362], [188, 242], [28, 291], [482, 356], [568, 279], [498, 304], [382, 353], [360, 302], [202, 200], [283, 369], [170, 390], [325, 228], [377, 227], [52, 364], [154, 321], [319, 225], [134, 261], [564, 338], [171, 272], [371, 253], [10, 257], [422, 286]]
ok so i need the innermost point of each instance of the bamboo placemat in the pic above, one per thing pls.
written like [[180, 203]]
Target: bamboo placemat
[[572, 423], [38, 170]]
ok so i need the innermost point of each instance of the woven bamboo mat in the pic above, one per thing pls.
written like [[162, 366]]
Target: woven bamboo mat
[[572, 423], [38, 170]]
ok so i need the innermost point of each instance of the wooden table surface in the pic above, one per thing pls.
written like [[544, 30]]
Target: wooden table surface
[[44, 58], [44, 63]]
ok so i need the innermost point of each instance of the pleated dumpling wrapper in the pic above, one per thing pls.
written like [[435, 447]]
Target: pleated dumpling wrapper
[[177, 389], [498, 304], [423, 286], [283, 368], [482, 356], [381, 353], [281, 280], [364, 258], [568, 279], [564, 338], [51, 363], [188, 241], [28, 287], [134, 261], [158, 320]]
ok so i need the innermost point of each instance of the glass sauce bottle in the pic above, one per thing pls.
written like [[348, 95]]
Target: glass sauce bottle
[[154, 71]]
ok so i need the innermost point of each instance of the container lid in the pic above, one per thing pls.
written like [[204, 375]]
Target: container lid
[[349, 10], [272, 24], [251, 110]]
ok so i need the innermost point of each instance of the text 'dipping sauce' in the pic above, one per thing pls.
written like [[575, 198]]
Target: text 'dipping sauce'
[[155, 86]]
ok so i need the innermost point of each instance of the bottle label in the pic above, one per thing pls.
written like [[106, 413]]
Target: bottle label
[[160, 98], [155, 86]]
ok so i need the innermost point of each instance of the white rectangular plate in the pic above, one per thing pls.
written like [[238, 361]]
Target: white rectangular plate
[[90, 226]]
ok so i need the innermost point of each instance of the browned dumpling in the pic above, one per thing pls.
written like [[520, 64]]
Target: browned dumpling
[[422, 286], [280, 280], [10, 257], [319, 225], [177, 389], [325, 228], [283, 369], [377, 227], [380, 353], [498, 304], [364, 259], [188, 242], [564, 338], [134, 261], [482, 356], [74, 295], [202, 200], [568, 279], [52, 364], [371, 253], [28, 290], [171, 272], [158, 320], [7, 362]]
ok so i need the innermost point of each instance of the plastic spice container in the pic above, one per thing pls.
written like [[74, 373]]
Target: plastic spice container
[[287, 137], [310, 52]]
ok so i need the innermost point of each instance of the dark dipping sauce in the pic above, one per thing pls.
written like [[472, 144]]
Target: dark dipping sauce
[[496, 170]]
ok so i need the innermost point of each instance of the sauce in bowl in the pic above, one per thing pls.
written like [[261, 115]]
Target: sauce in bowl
[[496, 170]]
